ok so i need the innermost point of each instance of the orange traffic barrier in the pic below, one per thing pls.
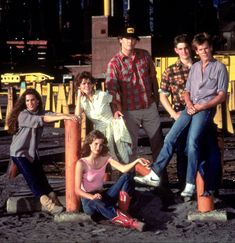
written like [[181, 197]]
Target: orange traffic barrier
[[142, 170], [72, 153], [204, 203]]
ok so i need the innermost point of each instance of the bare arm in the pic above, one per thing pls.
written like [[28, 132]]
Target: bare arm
[[189, 104], [127, 167], [168, 107], [116, 109], [78, 181], [78, 108], [58, 117]]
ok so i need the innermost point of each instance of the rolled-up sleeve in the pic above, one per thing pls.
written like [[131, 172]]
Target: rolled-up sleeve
[[111, 82], [223, 80]]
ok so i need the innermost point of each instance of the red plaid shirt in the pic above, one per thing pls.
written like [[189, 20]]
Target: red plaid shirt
[[132, 80], [173, 82]]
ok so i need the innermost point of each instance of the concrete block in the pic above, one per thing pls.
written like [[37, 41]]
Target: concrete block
[[215, 215], [72, 217], [24, 204]]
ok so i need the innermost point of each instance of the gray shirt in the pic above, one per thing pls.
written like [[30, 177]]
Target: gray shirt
[[204, 86], [25, 141]]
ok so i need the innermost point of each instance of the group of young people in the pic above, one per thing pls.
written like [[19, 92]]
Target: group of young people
[[131, 101]]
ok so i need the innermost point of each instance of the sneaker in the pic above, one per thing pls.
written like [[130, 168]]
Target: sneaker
[[54, 199], [151, 179], [128, 222], [188, 190], [49, 206]]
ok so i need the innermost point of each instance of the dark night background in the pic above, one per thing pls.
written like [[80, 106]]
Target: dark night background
[[66, 24]]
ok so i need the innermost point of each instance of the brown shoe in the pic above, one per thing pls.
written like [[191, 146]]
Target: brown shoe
[[49, 206], [52, 195]]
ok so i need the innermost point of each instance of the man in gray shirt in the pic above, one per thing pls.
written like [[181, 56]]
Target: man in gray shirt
[[206, 87]]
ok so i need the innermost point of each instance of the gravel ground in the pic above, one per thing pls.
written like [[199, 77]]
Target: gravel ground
[[165, 213]]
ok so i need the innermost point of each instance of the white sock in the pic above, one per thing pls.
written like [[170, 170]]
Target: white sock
[[189, 187], [153, 175]]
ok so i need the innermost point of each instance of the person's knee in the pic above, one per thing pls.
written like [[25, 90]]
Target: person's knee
[[169, 140], [127, 176]]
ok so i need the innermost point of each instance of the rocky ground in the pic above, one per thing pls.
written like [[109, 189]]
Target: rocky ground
[[165, 213]]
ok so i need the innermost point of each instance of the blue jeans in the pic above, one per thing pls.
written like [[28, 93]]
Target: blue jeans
[[106, 206], [181, 158], [197, 125], [210, 166], [34, 175]]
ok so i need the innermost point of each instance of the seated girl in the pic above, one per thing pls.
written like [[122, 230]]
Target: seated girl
[[89, 180]]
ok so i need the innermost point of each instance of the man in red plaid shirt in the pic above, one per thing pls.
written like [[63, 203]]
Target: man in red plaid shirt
[[131, 79]]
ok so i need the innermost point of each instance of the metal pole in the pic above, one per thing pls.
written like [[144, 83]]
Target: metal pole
[[112, 8], [106, 7]]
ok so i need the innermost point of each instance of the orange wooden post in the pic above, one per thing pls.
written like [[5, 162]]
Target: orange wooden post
[[142, 170], [204, 204], [12, 170], [72, 153]]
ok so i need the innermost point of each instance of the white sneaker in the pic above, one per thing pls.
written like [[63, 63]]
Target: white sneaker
[[151, 179], [188, 190]]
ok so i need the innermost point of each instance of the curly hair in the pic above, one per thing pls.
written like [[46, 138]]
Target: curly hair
[[84, 75], [95, 134], [20, 105]]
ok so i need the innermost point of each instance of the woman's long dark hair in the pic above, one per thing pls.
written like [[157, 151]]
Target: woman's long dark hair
[[12, 120], [95, 134]]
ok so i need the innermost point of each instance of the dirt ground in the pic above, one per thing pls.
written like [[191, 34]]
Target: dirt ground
[[163, 211]]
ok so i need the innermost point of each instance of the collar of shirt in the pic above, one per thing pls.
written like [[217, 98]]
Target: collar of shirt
[[123, 56], [211, 61]]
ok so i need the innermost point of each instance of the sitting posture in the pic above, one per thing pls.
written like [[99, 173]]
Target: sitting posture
[[26, 123], [89, 180], [206, 87]]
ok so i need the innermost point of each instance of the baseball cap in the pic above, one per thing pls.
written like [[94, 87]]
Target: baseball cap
[[129, 32]]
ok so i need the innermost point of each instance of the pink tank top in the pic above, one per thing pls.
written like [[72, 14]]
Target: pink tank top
[[93, 179]]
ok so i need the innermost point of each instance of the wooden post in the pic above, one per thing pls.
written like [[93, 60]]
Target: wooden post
[[232, 96], [10, 102], [12, 170], [71, 99], [72, 153], [62, 105], [204, 204], [0, 112], [22, 87], [50, 99]]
